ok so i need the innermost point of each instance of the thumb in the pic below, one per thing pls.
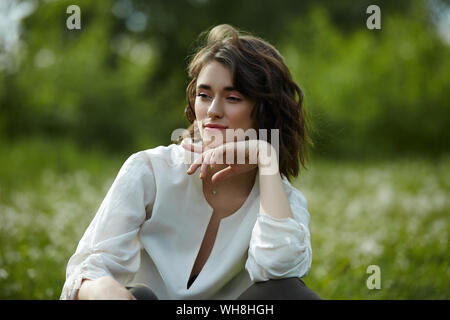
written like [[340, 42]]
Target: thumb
[[223, 174]]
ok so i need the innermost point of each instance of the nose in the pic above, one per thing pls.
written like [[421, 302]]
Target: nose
[[215, 110]]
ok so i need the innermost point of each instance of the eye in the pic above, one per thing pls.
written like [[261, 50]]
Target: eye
[[203, 95], [234, 99]]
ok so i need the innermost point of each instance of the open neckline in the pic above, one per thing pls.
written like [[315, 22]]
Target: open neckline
[[248, 198], [191, 282]]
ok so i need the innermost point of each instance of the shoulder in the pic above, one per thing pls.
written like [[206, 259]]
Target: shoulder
[[172, 154], [147, 162]]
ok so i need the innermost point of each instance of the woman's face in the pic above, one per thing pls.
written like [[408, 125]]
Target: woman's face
[[218, 104]]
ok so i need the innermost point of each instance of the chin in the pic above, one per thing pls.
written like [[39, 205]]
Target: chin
[[208, 137]]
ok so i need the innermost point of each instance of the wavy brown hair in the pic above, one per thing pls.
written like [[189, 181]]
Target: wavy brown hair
[[259, 73]]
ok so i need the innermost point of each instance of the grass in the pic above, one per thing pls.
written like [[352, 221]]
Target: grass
[[392, 214], [48, 195]]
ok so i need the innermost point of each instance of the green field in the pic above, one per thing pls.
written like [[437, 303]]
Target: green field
[[393, 214]]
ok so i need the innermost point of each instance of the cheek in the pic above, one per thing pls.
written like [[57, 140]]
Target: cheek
[[240, 118], [200, 111]]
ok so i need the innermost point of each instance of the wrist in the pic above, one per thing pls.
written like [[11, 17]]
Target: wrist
[[267, 158]]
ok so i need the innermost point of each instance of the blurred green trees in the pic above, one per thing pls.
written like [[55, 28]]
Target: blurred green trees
[[371, 92], [118, 84]]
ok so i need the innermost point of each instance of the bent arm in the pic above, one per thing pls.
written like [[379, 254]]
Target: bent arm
[[110, 247], [280, 243]]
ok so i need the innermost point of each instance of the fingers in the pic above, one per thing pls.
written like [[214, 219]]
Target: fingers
[[213, 159], [223, 174], [203, 161], [192, 147], [205, 164], [200, 161], [223, 154], [195, 165]]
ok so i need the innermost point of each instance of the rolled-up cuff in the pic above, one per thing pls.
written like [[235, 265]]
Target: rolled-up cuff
[[279, 248], [82, 271]]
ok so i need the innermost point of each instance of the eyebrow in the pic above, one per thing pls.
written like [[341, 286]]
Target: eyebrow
[[208, 87]]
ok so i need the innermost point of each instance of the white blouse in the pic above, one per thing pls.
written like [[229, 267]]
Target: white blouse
[[151, 224]]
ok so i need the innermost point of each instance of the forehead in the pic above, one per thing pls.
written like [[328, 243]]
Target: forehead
[[216, 75]]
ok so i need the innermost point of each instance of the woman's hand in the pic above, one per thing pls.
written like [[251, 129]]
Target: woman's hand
[[104, 288], [241, 156]]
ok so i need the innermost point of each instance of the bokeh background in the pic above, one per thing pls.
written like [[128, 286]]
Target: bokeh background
[[74, 104]]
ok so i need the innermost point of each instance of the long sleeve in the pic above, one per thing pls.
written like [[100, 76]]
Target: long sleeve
[[281, 248], [109, 246]]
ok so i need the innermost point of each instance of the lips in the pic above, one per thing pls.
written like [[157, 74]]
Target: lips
[[215, 125]]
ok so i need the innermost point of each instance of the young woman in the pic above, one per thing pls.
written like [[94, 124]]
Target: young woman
[[215, 227]]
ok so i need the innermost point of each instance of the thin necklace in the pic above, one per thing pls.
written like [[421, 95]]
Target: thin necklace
[[213, 190]]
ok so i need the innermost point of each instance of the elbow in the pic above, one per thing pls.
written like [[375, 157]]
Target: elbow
[[281, 263], [279, 250], [294, 264]]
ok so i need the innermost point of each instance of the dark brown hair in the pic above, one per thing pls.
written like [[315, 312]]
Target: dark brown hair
[[259, 73]]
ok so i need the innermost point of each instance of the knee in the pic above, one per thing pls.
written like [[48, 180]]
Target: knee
[[279, 289], [298, 290], [142, 292]]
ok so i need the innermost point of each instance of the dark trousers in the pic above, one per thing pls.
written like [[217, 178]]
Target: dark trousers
[[281, 289]]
